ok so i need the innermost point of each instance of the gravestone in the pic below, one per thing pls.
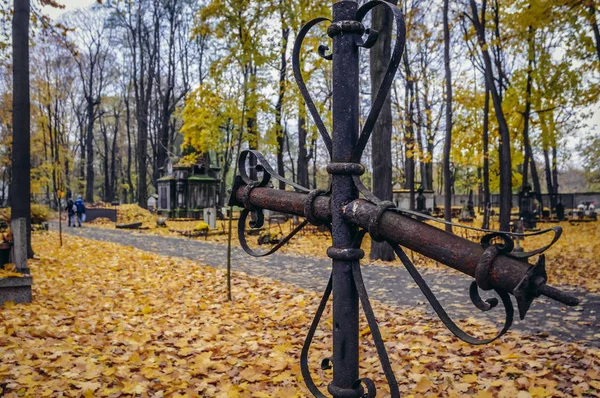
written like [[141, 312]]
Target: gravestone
[[210, 217], [19, 254], [18, 290]]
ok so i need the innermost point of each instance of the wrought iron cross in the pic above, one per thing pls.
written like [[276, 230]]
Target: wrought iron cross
[[494, 266]]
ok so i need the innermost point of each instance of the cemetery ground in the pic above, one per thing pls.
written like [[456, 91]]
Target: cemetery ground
[[573, 260], [112, 320]]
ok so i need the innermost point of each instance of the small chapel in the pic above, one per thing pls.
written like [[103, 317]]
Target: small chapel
[[186, 189]]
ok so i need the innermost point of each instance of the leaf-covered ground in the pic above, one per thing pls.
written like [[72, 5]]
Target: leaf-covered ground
[[110, 320], [574, 260]]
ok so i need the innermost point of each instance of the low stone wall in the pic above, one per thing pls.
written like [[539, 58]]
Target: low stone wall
[[92, 213]]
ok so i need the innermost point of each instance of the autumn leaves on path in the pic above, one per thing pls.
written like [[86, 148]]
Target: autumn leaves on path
[[389, 284], [573, 260], [110, 320]]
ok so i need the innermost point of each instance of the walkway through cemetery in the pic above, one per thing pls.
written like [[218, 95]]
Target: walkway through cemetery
[[389, 284]]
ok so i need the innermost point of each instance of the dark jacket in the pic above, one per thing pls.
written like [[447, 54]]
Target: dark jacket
[[69, 207], [80, 206]]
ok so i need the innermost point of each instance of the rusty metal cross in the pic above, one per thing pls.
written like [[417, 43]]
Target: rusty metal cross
[[494, 266]]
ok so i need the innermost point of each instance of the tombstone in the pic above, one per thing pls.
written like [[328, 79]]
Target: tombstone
[[590, 210], [210, 217], [518, 230], [18, 290], [19, 254], [465, 214], [421, 201], [470, 204], [527, 207], [560, 211], [152, 202], [402, 197]]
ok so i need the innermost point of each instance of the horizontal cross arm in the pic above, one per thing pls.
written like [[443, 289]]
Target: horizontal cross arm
[[505, 273]]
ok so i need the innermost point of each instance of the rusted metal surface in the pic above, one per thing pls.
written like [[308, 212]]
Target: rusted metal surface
[[448, 249]]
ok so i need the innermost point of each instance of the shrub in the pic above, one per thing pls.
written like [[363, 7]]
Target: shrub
[[39, 214], [202, 226]]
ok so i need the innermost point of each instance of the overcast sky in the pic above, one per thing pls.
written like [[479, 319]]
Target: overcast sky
[[74, 4], [69, 5]]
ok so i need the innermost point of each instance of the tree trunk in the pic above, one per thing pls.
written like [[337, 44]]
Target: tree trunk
[[381, 21], [129, 151], [113, 161], [429, 165], [20, 189], [81, 138], [142, 191], [529, 162], [167, 98], [285, 32], [419, 141], [486, 160], [594, 23], [106, 162], [289, 153], [409, 164], [448, 140], [527, 114], [302, 164], [251, 130], [89, 150], [313, 151], [67, 177], [505, 153], [548, 169], [554, 172]]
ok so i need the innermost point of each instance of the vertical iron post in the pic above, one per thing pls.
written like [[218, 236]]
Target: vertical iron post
[[345, 137], [229, 253]]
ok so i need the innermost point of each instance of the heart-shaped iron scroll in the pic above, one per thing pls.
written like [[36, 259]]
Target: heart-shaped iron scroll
[[386, 83], [300, 80]]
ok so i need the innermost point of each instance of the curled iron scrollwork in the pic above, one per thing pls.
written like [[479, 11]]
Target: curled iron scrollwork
[[296, 66], [477, 301], [252, 160], [386, 84], [249, 157]]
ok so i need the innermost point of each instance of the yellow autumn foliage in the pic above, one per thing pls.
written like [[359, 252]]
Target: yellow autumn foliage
[[39, 214], [573, 260], [133, 323], [127, 214]]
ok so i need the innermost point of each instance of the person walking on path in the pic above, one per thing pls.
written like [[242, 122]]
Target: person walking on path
[[80, 210], [71, 210]]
